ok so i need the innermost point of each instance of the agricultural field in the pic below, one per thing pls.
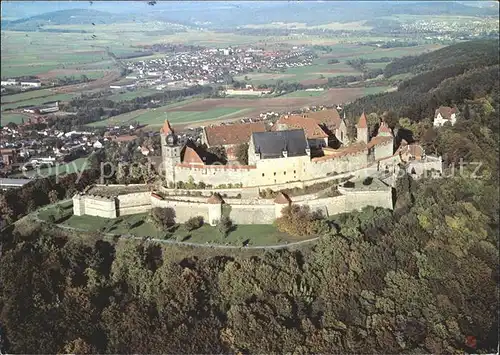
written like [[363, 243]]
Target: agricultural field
[[320, 70], [130, 95], [304, 93], [36, 101], [196, 112], [16, 118]]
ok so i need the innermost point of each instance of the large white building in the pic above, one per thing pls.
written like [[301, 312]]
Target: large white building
[[445, 114]]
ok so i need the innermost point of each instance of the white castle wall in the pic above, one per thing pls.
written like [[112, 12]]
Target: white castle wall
[[384, 150], [214, 174], [328, 165], [252, 214], [133, 203], [94, 206], [183, 210]]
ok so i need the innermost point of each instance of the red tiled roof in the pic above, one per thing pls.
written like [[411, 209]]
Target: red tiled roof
[[352, 149], [328, 117], [215, 199], [362, 121], [384, 129], [191, 157], [445, 112], [282, 199], [310, 127], [232, 133], [166, 129], [379, 140]]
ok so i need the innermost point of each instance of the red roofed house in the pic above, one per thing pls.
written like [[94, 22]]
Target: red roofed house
[[316, 136], [230, 136], [445, 114], [384, 130], [329, 120]]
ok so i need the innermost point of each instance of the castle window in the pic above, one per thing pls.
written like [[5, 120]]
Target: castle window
[[275, 173], [263, 174], [294, 172], [284, 172]]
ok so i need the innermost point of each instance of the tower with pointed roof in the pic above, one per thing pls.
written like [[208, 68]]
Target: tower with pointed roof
[[362, 129], [170, 151], [341, 131]]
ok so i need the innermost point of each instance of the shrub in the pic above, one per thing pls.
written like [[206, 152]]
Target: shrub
[[367, 181], [224, 226], [194, 223], [300, 221], [162, 217], [52, 219]]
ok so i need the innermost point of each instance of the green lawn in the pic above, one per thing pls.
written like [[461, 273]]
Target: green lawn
[[138, 225], [62, 169], [16, 118]]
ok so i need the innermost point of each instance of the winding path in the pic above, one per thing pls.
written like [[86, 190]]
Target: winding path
[[35, 217]]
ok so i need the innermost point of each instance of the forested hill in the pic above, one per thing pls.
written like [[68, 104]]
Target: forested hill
[[449, 77], [471, 54], [62, 17]]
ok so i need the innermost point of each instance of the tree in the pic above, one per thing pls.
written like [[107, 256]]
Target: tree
[[194, 223], [224, 225], [162, 217], [219, 153], [299, 221], [53, 196], [242, 153]]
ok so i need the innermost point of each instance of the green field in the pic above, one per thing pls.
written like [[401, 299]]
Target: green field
[[138, 225], [74, 166], [38, 101], [16, 118], [130, 95], [26, 95], [156, 117]]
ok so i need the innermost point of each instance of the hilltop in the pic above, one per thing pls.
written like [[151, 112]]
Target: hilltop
[[447, 76], [61, 17]]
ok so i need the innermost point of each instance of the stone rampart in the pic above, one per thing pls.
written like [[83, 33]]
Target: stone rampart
[[133, 203], [183, 210]]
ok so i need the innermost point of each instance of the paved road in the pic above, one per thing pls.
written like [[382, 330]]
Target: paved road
[[34, 216]]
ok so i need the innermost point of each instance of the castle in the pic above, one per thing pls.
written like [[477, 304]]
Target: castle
[[283, 154], [299, 151]]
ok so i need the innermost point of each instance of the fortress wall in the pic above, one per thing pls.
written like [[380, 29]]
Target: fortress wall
[[213, 174], [233, 192], [280, 171], [78, 206], [252, 214], [328, 206], [183, 210], [134, 203], [383, 150], [98, 206], [323, 167], [356, 200]]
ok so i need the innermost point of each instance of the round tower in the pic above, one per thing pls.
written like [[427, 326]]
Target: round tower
[[214, 203]]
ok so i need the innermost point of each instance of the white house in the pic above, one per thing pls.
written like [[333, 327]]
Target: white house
[[9, 82], [445, 114], [31, 83], [97, 145]]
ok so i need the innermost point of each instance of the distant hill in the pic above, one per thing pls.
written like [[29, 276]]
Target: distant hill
[[447, 76], [62, 17], [471, 54]]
